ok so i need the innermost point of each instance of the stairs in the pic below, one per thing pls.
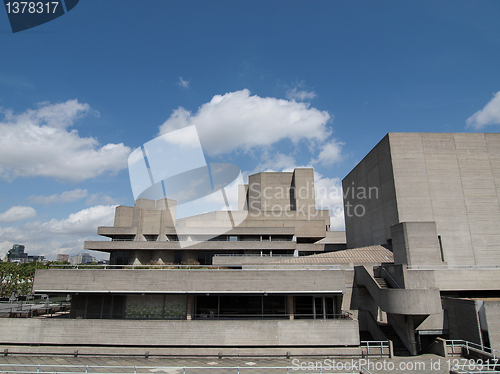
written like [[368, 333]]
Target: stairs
[[390, 334], [382, 283]]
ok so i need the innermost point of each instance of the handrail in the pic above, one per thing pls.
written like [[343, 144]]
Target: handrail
[[253, 255], [450, 267], [469, 345], [94, 369], [206, 316], [384, 269], [376, 344], [203, 267]]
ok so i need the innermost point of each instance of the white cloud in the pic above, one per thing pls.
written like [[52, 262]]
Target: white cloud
[[300, 95], [330, 153], [238, 121], [64, 197], [329, 196], [102, 199], [275, 162], [84, 222], [17, 213], [59, 236], [183, 83], [37, 143], [489, 115]]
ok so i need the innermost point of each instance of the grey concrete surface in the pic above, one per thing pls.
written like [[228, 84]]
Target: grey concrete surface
[[184, 281], [425, 364], [218, 333]]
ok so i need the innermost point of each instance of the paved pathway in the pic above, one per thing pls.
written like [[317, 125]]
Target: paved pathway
[[202, 365]]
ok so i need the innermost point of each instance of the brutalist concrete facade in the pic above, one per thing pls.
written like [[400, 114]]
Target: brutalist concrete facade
[[431, 199], [434, 199], [155, 284], [452, 180]]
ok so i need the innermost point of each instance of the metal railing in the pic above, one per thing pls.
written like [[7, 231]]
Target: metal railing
[[204, 267], [296, 267], [464, 344], [384, 269], [378, 347], [452, 267], [247, 316], [95, 369], [30, 309], [254, 255], [201, 316]]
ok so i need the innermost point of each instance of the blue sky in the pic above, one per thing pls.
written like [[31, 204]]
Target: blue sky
[[271, 84]]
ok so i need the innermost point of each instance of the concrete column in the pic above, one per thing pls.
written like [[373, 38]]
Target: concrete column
[[190, 307], [289, 300]]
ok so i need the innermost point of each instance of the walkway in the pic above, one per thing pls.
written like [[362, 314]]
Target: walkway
[[203, 365]]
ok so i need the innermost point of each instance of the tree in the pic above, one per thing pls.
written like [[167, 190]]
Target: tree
[[18, 278]]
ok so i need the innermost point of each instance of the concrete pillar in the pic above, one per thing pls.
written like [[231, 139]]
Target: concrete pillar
[[190, 307], [404, 327], [289, 300]]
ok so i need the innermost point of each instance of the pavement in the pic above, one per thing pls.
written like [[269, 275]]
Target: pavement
[[231, 365]]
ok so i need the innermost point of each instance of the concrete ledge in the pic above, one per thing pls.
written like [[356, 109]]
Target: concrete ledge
[[188, 281], [168, 333]]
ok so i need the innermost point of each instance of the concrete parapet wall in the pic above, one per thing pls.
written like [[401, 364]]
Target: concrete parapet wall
[[185, 281], [269, 333], [191, 351], [449, 279]]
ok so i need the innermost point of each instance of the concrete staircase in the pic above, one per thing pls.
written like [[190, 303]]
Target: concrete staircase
[[382, 283], [397, 343]]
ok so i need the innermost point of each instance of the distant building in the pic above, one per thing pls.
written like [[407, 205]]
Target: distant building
[[62, 258], [16, 254], [82, 258]]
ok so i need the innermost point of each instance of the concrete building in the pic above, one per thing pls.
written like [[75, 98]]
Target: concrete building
[[17, 254], [241, 303], [433, 199], [62, 258], [421, 261], [82, 258]]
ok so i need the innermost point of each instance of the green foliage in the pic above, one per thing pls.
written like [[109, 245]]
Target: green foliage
[[18, 278]]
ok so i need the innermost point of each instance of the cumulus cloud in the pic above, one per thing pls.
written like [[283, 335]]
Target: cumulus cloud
[[489, 115], [300, 95], [238, 121], [84, 222], [64, 197], [59, 236], [330, 153], [329, 196], [275, 162], [101, 198], [38, 143], [17, 213]]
